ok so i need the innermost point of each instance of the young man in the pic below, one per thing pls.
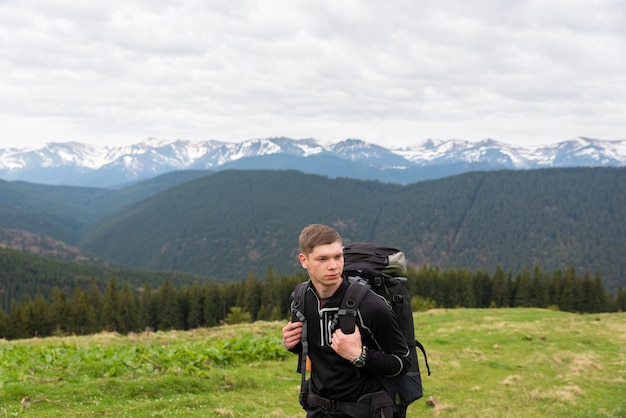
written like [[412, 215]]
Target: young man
[[346, 369]]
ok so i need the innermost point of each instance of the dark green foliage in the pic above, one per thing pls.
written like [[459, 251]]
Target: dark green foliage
[[231, 223], [123, 310], [169, 314], [111, 314], [30, 275], [85, 315], [620, 302]]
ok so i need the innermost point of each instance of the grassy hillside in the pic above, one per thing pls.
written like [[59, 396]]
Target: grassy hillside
[[495, 363], [229, 223]]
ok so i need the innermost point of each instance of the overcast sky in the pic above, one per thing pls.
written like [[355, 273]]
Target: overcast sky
[[389, 72]]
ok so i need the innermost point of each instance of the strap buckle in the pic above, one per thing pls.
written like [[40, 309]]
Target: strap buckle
[[328, 404]]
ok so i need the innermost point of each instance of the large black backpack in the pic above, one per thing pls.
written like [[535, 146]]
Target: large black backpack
[[382, 269]]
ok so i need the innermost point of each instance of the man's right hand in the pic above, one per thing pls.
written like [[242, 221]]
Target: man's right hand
[[292, 332]]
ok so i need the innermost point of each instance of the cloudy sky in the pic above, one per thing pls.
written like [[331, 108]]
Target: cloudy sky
[[389, 72]]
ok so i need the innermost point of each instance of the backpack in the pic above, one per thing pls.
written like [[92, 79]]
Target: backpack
[[382, 269]]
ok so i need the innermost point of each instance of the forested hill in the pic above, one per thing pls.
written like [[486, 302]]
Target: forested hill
[[229, 223], [27, 275]]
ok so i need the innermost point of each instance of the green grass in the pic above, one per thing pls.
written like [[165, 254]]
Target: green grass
[[495, 363], [524, 363]]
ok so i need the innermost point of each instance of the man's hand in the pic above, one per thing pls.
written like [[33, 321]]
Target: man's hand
[[292, 332], [348, 346]]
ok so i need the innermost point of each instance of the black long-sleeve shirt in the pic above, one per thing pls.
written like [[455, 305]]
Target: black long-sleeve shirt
[[334, 377]]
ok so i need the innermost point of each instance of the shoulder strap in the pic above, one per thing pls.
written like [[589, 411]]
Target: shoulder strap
[[297, 302], [297, 315], [350, 304]]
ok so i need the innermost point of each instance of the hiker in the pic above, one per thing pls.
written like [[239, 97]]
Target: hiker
[[347, 369]]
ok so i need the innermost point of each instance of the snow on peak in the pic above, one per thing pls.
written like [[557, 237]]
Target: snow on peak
[[155, 155]]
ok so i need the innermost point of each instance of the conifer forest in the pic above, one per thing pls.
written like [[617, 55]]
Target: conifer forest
[[121, 308]]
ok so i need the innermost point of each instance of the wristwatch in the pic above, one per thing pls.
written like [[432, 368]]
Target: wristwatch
[[360, 360]]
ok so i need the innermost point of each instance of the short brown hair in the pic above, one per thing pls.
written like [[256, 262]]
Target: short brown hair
[[317, 234]]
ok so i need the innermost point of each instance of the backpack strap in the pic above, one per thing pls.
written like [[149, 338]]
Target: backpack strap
[[421, 347], [297, 315], [350, 303]]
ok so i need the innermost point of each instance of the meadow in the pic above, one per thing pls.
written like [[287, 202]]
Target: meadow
[[484, 362]]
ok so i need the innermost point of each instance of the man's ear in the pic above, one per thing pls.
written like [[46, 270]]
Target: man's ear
[[303, 260]]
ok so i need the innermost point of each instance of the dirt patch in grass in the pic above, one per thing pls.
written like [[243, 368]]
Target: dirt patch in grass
[[563, 394], [511, 380], [475, 355], [577, 363]]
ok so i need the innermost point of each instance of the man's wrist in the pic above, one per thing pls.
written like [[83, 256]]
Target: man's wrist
[[360, 360]]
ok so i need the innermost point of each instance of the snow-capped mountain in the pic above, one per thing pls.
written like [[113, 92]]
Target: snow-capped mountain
[[107, 166]]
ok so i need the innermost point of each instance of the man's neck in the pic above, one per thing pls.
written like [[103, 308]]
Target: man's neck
[[326, 292]]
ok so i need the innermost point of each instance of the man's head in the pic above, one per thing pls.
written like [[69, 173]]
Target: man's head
[[316, 234], [321, 254]]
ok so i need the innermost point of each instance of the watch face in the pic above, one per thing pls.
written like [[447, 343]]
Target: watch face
[[360, 360]]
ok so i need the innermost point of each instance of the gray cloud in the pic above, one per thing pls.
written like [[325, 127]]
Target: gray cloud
[[395, 73]]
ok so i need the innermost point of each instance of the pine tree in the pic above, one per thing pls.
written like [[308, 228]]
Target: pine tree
[[83, 314], [523, 291], [600, 302], [269, 296], [237, 316], [423, 282], [95, 299], [4, 324], [450, 284], [251, 295], [500, 292], [482, 286], [129, 310], [61, 312], [212, 303], [182, 295], [168, 311], [568, 294], [111, 317], [40, 318], [587, 294], [555, 289], [620, 300], [147, 311], [18, 320], [195, 317], [466, 290]]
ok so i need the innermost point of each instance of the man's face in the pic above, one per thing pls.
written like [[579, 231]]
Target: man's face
[[325, 265]]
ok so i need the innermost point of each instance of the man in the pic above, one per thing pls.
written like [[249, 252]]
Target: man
[[346, 369]]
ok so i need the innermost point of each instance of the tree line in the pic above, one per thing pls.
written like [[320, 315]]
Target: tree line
[[121, 308]]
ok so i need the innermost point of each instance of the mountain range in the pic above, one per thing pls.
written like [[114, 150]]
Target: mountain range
[[80, 164]]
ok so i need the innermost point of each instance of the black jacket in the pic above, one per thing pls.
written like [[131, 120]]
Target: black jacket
[[336, 378]]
